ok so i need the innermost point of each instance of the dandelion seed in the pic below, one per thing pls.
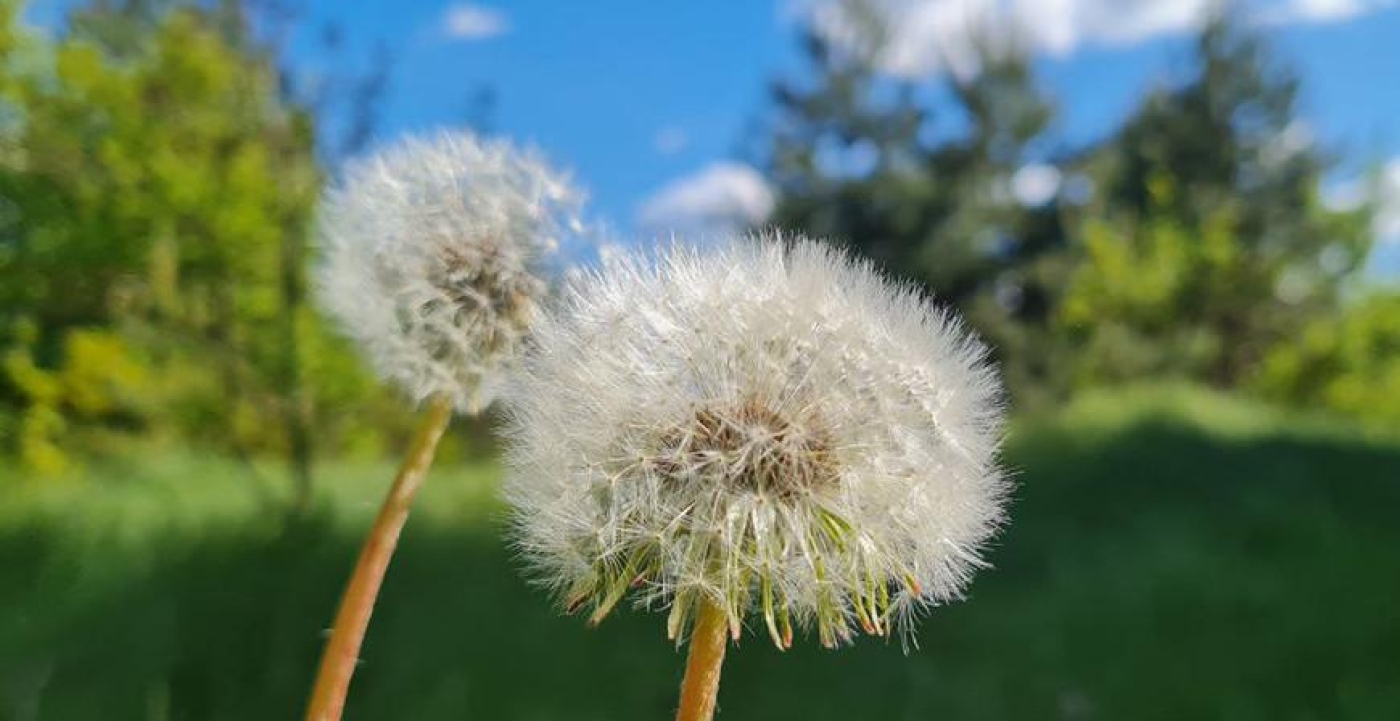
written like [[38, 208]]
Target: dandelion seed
[[431, 258], [431, 253], [768, 429]]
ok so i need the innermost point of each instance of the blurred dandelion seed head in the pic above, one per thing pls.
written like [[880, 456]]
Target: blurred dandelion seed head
[[431, 255], [769, 426]]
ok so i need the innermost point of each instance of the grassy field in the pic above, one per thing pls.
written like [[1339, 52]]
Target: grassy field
[[1173, 555]]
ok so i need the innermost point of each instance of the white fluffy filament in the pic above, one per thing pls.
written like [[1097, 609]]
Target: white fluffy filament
[[770, 426], [430, 254]]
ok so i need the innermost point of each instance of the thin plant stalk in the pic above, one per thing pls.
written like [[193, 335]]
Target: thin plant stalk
[[708, 639], [342, 651]]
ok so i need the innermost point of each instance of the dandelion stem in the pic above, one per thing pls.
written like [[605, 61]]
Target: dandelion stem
[[342, 652], [708, 639]]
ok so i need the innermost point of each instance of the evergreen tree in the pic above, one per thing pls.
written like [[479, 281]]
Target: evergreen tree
[[917, 176], [1207, 241]]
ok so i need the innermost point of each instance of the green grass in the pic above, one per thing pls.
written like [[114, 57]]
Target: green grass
[[1172, 555]]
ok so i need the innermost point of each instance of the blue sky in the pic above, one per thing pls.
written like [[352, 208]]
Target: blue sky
[[630, 95], [640, 97], [649, 102]]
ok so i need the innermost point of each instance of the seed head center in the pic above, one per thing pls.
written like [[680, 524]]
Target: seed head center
[[486, 289], [751, 447]]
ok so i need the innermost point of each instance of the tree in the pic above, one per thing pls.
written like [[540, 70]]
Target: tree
[[918, 177], [1348, 363], [163, 189], [1207, 242]]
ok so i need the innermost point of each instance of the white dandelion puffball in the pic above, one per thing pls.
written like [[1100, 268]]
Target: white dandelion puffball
[[430, 258], [769, 426]]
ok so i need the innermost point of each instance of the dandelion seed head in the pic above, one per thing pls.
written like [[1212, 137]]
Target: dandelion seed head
[[431, 258], [769, 426]]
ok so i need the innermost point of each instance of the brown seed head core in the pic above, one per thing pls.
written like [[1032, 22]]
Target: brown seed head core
[[750, 447], [486, 289]]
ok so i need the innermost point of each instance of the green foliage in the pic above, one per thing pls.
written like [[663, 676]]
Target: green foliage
[[98, 379], [157, 189], [924, 189], [1153, 296], [1187, 243], [1175, 554], [1208, 243], [1349, 363], [935, 211]]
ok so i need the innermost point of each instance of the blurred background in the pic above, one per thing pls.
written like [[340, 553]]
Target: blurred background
[[1176, 221]]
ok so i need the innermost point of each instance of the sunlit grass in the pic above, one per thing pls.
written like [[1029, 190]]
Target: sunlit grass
[[1173, 554]]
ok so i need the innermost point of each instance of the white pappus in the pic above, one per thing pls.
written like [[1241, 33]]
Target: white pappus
[[430, 257], [769, 426]]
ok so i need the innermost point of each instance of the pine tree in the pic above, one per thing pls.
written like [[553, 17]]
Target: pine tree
[[917, 176], [1207, 241]]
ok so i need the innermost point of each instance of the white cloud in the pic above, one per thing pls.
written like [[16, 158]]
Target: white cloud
[[465, 21], [1035, 185], [721, 196], [671, 140], [930, 36]]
